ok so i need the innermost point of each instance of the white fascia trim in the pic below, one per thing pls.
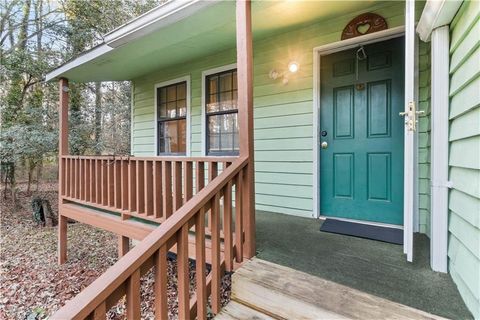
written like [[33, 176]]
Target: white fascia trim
[[206, 73], [436, 13], [155, 19], [188, 116], [84, 58]]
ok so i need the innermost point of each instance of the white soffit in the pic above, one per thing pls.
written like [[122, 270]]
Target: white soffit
[[436, 13]]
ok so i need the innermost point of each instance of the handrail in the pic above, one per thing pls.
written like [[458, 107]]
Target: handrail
[[125, 270]]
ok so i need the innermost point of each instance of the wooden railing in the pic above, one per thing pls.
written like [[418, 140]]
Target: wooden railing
[[123, 278], [150, 188]]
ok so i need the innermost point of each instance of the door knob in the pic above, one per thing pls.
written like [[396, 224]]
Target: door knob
[[324, 145]]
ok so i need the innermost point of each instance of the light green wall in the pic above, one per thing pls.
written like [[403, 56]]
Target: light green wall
[[424, 137], [283, 113], [464, 202]]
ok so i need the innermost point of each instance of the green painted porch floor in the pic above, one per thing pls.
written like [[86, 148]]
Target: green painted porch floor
[[371, 266]]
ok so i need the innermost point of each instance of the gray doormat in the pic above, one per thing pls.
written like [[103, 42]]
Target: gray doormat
[[385, 234]]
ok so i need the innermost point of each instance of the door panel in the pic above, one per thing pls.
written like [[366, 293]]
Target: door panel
[[361, 175]]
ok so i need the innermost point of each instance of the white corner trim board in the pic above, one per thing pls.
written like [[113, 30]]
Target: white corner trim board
[[439, 149], [436, 13]]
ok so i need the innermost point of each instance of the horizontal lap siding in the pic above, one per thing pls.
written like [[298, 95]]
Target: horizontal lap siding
[[283, 114], [424, 138], [464, 198]]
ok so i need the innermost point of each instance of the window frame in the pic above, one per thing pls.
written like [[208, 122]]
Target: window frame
[[168, 83], [205, 115]]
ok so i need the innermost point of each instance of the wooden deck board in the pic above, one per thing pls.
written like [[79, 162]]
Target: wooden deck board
[[238, 311], [284, 293]]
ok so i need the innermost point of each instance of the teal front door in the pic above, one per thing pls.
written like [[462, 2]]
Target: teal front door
[[361, 133]]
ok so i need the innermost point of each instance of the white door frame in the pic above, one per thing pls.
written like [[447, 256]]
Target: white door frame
[[327, 49]]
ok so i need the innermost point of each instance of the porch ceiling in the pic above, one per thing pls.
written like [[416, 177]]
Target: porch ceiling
[[211, 28]]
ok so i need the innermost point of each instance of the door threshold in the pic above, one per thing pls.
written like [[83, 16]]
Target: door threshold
[[379, 224]]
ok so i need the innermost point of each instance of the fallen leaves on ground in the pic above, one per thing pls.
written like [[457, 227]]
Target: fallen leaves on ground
[[33, 285]]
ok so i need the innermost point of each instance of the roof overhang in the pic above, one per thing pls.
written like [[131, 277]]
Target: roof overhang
[[436, 13], [181, 31], [155, 19]]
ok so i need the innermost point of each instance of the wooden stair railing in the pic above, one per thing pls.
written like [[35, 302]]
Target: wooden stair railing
[[150, 188], [123, 278]]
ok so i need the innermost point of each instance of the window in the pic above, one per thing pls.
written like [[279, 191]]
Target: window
[[222, 113], [172, 118]]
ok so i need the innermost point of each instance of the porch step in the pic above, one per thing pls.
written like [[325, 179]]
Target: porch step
[[237, 311], [273, 291]]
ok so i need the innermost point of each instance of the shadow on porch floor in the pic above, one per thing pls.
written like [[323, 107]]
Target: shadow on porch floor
[[371, 266]]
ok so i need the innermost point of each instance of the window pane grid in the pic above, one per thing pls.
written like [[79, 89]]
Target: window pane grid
[[171, 121], [221, 113]]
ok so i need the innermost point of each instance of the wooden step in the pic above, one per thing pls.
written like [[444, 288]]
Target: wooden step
[[284, 293], [238, 311]]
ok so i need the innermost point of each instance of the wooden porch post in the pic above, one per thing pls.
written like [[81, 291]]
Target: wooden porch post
[[62, 151], [245, 118]]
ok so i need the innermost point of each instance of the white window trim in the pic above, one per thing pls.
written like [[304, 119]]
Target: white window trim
[[205, 74], [188, 116]]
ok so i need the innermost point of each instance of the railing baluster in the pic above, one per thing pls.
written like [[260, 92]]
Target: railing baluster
[[140, 186], [93, 180], [67, 177], [188, 180], [124, 184], [238, 217], [98, 174], [100, 312], [132, 190], [216, 276], [80, 179], [133, 295], [227, 226], [88, 180], [117, 177], [199, 176], [183, 273], [111, 182], [157, 189], [77, 179], [73, 176], [149, 188], [104, 182], [167, 188], [177, 185], [201, 290], [161, 271], [212, 173]]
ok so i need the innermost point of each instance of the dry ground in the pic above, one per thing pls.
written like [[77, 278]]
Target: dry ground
[[33, 285]]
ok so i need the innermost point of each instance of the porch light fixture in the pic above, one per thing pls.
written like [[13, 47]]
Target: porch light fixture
[[293, 67]]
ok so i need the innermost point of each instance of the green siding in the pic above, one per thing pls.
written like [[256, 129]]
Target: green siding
[[464, 198], [283, 113], [424, 137]]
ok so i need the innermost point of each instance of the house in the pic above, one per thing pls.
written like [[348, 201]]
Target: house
[[363, 112]]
